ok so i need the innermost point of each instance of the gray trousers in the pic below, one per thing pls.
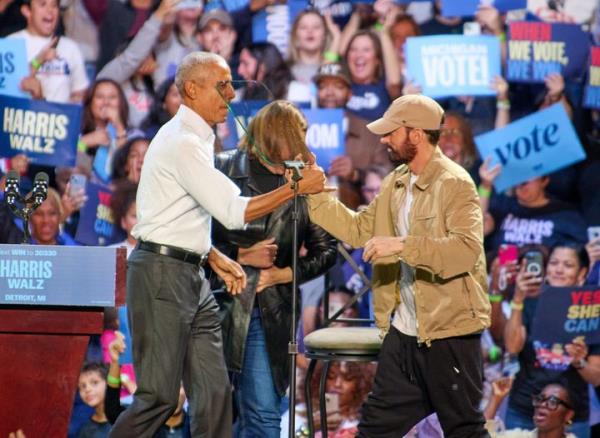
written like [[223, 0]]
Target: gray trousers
[[176, 335]]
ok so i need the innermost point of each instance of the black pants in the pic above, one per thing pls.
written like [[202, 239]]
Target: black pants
[[176, 335], [413, 381]]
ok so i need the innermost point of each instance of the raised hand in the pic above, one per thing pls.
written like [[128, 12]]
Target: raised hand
[[489, 174], [341, 166], [117, 347]]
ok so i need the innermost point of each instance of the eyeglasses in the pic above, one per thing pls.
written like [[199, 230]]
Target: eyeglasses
[[551, 402], [454, 132]]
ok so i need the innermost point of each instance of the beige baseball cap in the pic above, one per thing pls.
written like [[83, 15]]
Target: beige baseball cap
[[220, 15], [411, 111]]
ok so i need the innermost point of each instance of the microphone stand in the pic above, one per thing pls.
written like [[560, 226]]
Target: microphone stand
[[29, 203], [295, 167]]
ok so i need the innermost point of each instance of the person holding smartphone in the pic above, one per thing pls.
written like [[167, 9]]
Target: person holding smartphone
[[566, 266]]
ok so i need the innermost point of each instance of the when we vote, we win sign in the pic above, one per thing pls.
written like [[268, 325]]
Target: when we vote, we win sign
[[537, 49], [533, 146]]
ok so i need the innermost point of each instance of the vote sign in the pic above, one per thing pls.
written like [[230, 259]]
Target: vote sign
[[564, 313], [533, 146], [591, 97], [448, 65], [13, 66], [537, 49], [325, 134]]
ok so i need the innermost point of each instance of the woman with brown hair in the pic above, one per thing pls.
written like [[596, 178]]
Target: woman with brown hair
[[104, 104], [256, 324]]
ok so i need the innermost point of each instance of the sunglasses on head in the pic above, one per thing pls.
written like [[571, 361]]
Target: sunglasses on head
[[552, 402]]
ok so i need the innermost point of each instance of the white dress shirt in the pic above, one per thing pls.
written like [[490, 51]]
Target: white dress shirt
[[180, 189]]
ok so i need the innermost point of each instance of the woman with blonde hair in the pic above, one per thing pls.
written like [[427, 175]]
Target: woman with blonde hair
[[256, 324], [314, 39]]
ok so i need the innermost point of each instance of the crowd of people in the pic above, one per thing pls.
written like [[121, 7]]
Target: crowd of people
[[118, 59]]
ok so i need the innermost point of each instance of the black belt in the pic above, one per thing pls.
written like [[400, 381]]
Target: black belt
[[176, 253]]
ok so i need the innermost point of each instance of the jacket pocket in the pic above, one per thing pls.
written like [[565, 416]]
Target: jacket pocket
[[423, 224]]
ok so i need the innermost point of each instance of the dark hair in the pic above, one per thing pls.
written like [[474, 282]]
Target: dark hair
[[378, 51], [469, 152], [158, 116], [94, 367], [582, 255], [111, 318], [121, 156], [277, 73], [572, 396], [88, 124], [407, 18], [122, 199]]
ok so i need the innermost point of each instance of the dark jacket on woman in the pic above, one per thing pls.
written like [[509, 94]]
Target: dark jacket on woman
[[275, 303]]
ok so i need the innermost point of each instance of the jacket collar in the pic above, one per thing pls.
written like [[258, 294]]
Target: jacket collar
[[426, 177], [195, 123]]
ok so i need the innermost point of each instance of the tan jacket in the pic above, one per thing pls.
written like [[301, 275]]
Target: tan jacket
[[445, 245]]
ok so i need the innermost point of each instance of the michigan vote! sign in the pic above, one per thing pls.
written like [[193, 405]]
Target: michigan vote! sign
[[46, 132], [533, 146], [537, 49], [448, 65]]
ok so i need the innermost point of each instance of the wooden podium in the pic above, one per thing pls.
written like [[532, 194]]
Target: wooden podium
[[45, 329]]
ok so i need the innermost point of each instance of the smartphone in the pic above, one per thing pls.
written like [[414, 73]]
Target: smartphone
[[77, 183], [510, 366], [471, 28], [332, 402], [593, 233], [534, 262], [508, 254]]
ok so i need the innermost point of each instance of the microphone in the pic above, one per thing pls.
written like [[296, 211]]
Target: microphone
[[40, 188], [11, 188], [294, 166]]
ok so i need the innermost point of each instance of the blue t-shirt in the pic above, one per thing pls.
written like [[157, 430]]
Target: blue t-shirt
[[369, 101], [556, 222]]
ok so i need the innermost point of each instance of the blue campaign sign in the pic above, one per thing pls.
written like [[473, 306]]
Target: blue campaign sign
[[96, 226], [273, 24], [533, 146], [325, 134], [46, 132], [13, 66], [467, 8], [591, 95], [565, 313], [449, 65], [237, 122], [537, 49], [51, 275]]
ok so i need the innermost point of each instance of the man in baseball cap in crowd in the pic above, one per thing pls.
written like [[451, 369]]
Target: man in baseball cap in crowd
[[424, 235], [362, 147], [216, 33]]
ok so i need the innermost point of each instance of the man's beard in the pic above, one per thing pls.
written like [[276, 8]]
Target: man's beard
[[406, 155]]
